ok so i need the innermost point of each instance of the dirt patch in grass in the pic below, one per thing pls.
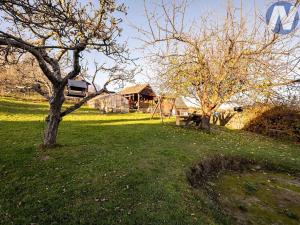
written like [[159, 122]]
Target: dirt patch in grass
[[249, 192]]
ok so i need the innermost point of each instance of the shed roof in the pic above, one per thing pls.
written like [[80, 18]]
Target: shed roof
[[78, 83], [139, 88]]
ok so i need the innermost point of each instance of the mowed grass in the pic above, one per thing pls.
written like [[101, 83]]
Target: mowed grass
[[113, 169]]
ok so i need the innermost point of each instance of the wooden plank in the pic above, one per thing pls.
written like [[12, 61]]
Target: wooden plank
[[161, 115], [138, 102], [156, 107]]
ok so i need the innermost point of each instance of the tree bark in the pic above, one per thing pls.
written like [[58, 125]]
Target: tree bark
[[205, 122], [53, 119], [206, 112], [224, 119]]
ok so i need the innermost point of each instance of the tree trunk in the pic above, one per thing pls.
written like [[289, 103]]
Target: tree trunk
[[53, 119], [206, 108], [224, 119], [205, 122]]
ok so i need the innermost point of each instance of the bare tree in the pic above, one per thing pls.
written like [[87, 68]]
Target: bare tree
[[217, 60], [57, 33]]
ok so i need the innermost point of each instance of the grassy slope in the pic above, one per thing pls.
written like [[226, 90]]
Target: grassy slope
[[112, 169]]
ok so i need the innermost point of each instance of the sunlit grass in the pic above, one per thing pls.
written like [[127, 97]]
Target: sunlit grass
[[112, 169]]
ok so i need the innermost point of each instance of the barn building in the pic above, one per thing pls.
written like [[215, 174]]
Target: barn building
[[140, 97]]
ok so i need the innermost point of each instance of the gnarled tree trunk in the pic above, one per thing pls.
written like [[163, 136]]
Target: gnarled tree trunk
[[205, 122], [224, 119], [53, 119], [206, 108]]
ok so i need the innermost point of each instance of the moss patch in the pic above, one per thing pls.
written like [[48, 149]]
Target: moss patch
[[260, 198]]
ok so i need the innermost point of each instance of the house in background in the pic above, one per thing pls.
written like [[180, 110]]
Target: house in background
[[141, 97]]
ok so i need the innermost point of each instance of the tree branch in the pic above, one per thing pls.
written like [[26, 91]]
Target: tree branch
[[89, 97], [37, 54], [37, 88], [76, 64], [83, 101]]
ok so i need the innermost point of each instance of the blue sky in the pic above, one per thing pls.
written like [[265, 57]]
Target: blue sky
[[136, 16], [196, 9]]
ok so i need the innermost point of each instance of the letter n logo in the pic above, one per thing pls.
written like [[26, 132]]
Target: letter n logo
[[282, 17]]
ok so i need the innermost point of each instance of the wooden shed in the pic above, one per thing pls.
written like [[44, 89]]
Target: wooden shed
[[111, 102], [140, 97]]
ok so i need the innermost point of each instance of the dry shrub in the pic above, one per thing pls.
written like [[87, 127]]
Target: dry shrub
[[277, 122]]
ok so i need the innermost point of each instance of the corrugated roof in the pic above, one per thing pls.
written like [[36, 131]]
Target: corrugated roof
[[135, 89]]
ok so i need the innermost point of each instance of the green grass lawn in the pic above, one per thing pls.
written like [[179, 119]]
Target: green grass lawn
[[113, 169]]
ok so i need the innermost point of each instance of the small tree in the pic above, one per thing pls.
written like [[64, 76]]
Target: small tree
[[215, 61], [57, 33]]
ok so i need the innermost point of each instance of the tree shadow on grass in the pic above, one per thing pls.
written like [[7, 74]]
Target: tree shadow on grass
[[17, 108], [130, 133], [22, 108], [111, 171], [128, 172]]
